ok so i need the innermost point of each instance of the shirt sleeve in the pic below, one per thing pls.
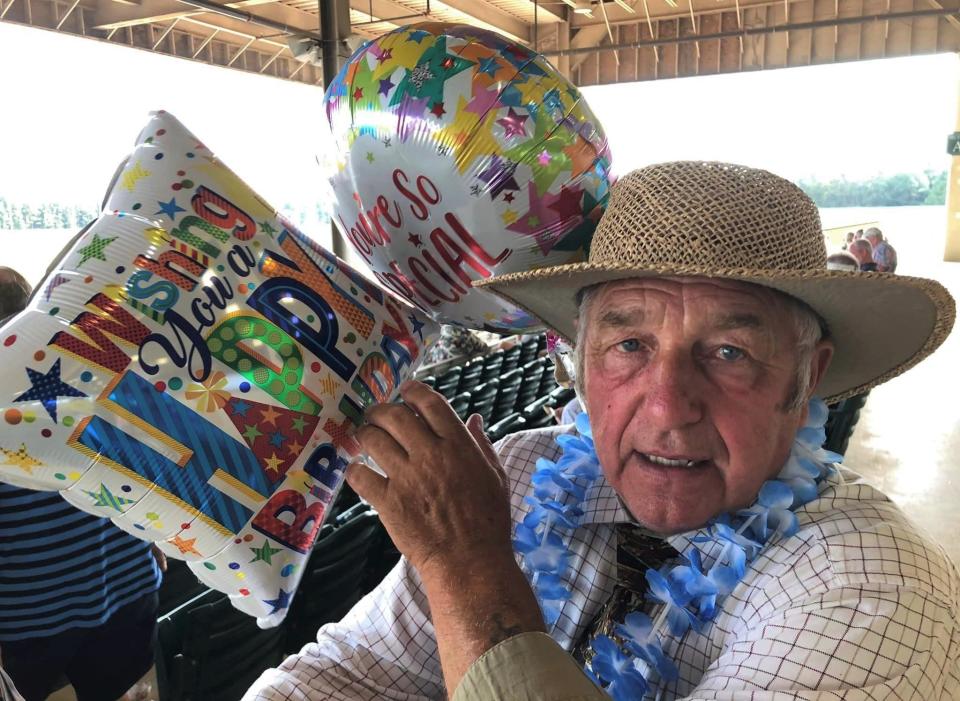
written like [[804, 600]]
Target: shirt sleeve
[[384, 648], [527, 667], [855, 642]]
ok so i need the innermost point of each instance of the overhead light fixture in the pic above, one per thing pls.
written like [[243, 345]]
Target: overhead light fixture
[[583, 7]]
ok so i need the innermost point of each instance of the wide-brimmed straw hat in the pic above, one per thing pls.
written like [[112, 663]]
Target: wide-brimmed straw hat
[[719, 220]]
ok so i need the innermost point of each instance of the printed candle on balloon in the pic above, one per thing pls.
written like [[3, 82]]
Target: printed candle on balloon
[[193, 367], [461, 155]]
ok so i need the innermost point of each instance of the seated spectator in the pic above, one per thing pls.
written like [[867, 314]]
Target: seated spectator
[[851, 235], [863, 252], [455, 342], [842, 261], [884, 255], [14, 292], [78, 596]]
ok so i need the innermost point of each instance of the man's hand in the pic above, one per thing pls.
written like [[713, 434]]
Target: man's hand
[[446, 506], [446, 499]]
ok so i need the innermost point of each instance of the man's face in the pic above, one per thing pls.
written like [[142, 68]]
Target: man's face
[[685, 382]]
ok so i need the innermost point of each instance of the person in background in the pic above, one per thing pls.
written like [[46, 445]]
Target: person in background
[[842, 261], [851, 235], [455, 342], [78, 596], [14, 292], [884, 255], [863, 252]]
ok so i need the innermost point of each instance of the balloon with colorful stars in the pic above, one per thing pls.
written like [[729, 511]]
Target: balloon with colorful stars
[[459, 155], [192, 368]]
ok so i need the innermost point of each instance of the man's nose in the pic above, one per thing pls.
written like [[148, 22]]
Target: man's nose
[[675, 390]]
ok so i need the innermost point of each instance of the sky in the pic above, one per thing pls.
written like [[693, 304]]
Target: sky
[[74, 107]]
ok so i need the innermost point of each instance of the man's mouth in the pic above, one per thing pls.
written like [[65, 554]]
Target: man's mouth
[[675, 462]]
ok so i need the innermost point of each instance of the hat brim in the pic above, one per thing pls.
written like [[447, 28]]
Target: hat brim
[[881, 324]]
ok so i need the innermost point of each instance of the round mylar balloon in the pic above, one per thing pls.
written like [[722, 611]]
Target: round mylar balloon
[[192, 368], [460, 155]]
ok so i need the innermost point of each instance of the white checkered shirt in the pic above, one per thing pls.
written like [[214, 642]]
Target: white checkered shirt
[[857, 605]]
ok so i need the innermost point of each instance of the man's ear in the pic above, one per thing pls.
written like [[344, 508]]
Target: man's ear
[[819, 362]]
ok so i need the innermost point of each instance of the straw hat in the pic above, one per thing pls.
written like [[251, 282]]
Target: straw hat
[[718, 220]]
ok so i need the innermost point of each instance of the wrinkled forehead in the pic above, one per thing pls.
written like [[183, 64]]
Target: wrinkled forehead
[[725, 301]]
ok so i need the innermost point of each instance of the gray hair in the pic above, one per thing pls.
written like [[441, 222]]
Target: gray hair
[[810, 329]]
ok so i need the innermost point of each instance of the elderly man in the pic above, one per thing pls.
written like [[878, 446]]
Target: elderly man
[[863, 252], [720, 554], [884, 255]]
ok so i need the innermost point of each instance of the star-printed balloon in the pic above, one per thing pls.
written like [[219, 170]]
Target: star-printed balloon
[[459, 155], [192, 367]]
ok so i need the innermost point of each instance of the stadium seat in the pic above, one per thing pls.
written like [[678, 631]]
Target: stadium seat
[[210, 651], [841, 420], [509, 424]]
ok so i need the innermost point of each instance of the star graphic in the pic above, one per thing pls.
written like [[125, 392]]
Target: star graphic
[[240, 408], [47, 388], [274, 463], [20, 458], [276, 439], [544, 158], [385, 86], [283, 598], [358, 93], [544, 219], [370, 158], [297, 424], [508, 197], [383, 55], [170, 208], [251, 433], [475, 190], [184, 546], [411, 109], [489, 66], [438, 110], [264, 553], [107, 498], [512, 96], [387, 142], [267, 229], [582, 156], [482, 100], [54, 283], [95, 249], [418, 35], [269, 415], [567, 203], [498, 176], [295, 448], [417, 325], [509, 216], [434, 68], [130, 178], [513, 124], [415, 240]]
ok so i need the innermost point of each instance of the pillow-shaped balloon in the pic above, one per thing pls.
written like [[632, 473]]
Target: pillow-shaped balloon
[[192, 367], [458, 155]]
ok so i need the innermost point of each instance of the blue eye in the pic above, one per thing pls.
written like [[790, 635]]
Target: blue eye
[[730, 353], [631, 345]]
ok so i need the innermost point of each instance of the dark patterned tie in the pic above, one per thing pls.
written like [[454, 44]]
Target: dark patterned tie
[[637, 550]]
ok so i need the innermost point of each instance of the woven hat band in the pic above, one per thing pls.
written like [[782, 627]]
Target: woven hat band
[[711, 216]]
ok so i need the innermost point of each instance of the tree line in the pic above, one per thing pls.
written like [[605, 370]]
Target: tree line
[[898, 190], [48, 215], [880, 191]]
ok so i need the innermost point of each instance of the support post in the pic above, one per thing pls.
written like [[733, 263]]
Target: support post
[[951, 250], [330, 32]]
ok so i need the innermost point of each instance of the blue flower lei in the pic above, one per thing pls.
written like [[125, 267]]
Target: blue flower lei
[[690, 594]]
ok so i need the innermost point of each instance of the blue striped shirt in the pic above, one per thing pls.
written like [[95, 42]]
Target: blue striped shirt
[[62, 568]]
